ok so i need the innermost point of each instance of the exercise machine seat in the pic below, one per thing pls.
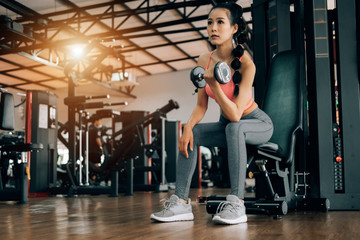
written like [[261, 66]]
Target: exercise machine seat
[[283, 103]]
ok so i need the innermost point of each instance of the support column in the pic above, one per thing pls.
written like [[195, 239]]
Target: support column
[[349, 101], [260, 43], [279, 26], [319, 97], [358, 35]]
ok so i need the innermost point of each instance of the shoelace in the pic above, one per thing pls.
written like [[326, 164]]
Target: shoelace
[[222, 205], [167, 203]]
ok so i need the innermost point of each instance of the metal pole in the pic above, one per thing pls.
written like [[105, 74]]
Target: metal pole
[[80, 148], [87, 155], [163, 152], [71, 124], [24, 178]]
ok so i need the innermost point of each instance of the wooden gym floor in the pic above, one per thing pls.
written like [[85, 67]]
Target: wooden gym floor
[[127, 217]]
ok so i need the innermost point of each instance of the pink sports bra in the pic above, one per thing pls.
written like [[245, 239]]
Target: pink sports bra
[[227, 88]]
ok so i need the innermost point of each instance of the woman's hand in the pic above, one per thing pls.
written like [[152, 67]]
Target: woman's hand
[[186, 139], [209, 76]]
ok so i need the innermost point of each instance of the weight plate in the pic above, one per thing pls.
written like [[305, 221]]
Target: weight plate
[[196, 76], [222, 72]]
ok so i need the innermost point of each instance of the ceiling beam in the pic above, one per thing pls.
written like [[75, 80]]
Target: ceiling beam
[[20, 9], [118, 55], [114, 14], [124, 33], [190, 23], [151, 27], [27, 12]]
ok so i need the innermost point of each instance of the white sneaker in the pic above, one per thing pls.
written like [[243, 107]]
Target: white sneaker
[[174, 210], [232, 211]]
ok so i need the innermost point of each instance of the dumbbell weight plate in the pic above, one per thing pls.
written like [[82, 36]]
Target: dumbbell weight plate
[[222, 72], [196, 76]]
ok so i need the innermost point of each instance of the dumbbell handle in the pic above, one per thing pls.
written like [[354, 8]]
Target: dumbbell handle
[[200, 76], [222, 74]]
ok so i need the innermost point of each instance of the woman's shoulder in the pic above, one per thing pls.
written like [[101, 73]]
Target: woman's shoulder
[[247, 58], [247, 61], [203, 59]]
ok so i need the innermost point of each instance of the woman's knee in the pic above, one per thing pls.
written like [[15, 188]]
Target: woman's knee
[[233, 128], [196, 130]]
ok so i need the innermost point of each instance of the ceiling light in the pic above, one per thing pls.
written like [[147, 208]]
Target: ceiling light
[[120, 76], [77, 51], [115, 77]]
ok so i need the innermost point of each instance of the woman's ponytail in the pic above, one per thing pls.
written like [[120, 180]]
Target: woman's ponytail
[[240, 37]]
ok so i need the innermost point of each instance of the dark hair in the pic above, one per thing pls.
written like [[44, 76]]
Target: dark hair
[[94, 118], [240, 37]]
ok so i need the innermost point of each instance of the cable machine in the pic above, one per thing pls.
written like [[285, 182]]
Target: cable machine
[[333, 87]]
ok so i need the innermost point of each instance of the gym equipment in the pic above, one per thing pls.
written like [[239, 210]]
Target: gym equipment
[[275, 161], [14, 155], [275, 208], [126, 152], [78, 169], [222, 74], [334, 112], [80, 103], [133, 140], [134, 145], [74, 100]]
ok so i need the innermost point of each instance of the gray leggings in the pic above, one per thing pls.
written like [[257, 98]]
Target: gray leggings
[[254, 128]]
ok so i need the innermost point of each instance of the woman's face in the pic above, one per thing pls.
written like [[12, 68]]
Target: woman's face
[[219, 27]]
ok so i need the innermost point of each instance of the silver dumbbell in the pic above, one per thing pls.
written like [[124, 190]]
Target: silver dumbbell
[[222, 74]]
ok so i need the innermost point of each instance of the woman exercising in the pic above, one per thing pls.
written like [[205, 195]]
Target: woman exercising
[[241, 121]]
